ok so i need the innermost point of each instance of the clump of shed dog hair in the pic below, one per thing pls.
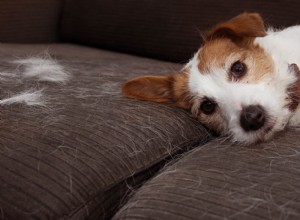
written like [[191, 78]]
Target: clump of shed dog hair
[[30, 70], [43, 68], [27, 97]]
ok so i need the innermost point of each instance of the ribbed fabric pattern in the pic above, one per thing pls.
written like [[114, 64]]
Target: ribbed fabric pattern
[[79, 156], [168, 29], [223, 181], [30, 21]]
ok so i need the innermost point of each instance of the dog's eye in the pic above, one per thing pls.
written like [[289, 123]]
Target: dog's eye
[[238, 69], [208, 107]]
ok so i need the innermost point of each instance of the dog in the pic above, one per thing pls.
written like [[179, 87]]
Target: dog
[[242, 83]]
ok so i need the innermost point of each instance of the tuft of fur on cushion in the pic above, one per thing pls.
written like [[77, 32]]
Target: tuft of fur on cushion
[[26, 97], [29, 72], [43, 68]]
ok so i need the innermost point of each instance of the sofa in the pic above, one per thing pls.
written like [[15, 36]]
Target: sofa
[[90, 153]]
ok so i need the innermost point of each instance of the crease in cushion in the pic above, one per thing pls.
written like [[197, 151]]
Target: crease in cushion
[[220, 180], [76, 157], [130, 184]]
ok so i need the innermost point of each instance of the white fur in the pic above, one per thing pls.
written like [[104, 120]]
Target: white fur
[[284, 48], [282, 45], [26, 97], [43, 69]]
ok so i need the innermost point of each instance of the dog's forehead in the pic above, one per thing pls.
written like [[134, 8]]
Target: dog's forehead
[[205, 84], [209, 71], [216, 57], [214, 53]]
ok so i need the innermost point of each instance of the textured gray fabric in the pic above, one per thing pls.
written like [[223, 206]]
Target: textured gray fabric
[[78, 156], [168, 29], [30, 21], [223, 181]]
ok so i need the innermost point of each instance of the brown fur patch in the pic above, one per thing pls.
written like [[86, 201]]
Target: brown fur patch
[[172, 89], [222, 53], [239, 27], [214, 121], [232, 41], [181, 92], [150, 88]]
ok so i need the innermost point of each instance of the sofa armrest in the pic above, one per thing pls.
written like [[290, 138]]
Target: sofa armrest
[[31, 21]]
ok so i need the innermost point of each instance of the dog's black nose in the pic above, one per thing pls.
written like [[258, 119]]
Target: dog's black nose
[[252, 118]]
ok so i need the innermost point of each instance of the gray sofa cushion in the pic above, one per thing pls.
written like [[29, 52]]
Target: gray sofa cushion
[[78, 156], [168, 29], [222, 181], [30, 21]]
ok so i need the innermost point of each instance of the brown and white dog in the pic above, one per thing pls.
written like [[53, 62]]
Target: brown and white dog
[[243, 81]]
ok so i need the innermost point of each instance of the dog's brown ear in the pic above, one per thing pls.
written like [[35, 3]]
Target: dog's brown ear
[[150, 88], [171, 89], [243, 25]]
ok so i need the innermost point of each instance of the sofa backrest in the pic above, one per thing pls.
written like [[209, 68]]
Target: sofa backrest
[[30, 21], [164, 29]]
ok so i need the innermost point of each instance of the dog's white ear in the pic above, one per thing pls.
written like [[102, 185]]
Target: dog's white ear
[[243, 25], [150, 88]]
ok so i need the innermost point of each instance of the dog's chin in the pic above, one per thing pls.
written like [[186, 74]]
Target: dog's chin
[[266, 133], [252, 137]]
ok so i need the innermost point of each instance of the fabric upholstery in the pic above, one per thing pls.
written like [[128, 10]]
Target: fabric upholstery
[[223, 181], [168, 29], [30, 21], [78, 156], [88, 150]]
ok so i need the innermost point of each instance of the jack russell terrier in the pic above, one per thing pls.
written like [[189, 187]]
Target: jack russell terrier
[[242, 83]]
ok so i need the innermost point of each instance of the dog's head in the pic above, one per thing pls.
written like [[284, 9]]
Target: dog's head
[[232, 85]]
